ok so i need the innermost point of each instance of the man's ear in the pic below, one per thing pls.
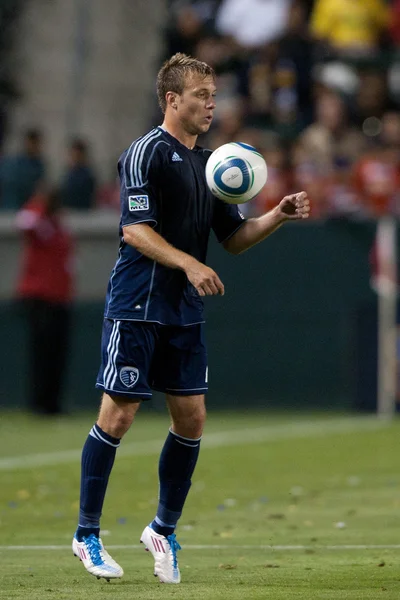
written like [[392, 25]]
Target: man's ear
[[172, 100]]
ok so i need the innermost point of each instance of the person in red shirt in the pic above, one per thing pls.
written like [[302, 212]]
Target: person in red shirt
[[394, 26], [278, 180], [45, 286], [376, 180]]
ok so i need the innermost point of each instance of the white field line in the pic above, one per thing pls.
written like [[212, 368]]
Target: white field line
[[225, 547], [235, 437]]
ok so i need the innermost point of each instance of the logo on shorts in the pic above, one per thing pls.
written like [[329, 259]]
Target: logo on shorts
[[129, 376], [138, 203]]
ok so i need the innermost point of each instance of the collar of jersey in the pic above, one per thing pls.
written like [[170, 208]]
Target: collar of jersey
[[178, 143]]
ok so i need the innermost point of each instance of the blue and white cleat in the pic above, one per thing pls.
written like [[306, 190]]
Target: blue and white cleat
[[164, 551], [95, 558]]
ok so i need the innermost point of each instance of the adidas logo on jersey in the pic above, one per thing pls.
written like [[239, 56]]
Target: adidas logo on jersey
[[176, 157]]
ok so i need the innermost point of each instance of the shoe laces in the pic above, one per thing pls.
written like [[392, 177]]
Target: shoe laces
[[94, 548], [174, 545]]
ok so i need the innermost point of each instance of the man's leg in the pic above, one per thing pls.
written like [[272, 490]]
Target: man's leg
[[177, 463], [178, 459], [115, 418]]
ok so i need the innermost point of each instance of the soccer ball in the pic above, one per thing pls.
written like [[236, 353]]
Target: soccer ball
[[236, 172]]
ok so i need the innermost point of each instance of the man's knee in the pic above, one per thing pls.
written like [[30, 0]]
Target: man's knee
[[196, 422], [191, 429], [116, 415], [188, 415]]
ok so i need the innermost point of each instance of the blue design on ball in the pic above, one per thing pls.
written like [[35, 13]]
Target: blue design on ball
[[247, 146], [228, 164]]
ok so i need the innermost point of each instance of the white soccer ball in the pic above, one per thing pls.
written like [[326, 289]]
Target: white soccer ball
[[236, 172]]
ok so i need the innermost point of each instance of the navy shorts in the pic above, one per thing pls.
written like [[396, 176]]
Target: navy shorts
[[138, 357]]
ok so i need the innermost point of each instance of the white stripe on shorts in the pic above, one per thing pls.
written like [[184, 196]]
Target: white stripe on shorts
[[110, 343], [115, 370], [112, 354]]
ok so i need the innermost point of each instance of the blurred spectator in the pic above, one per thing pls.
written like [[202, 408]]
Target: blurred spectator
[[78, 185], [253, 23], [190, 22], [108, 193], [285, 113], [229, 122], [336, 76], [390, 133], [184, 30], [330, 127], [21, 174], [45, 286], [336, 121], [350, 27], [278, 184], [340, 197], [311, 175], [377, 181], [295, 50], [252, 136], [10, 11], [324, 157], [394, 27], [331, 137], [276, 84], [371, 98]]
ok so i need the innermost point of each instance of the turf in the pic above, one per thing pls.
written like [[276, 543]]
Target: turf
[[276, 502]]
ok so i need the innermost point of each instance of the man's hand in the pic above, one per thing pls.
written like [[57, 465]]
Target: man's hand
[[295, 206], [253, 231], [204, 279]]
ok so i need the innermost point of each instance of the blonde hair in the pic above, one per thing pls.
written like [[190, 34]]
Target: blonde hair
[[172, 75]]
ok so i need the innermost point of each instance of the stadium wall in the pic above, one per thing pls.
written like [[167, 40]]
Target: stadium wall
[[284, 335], [86, 68]]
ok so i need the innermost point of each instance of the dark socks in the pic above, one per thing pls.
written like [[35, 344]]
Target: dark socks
[[177, 463], [97, 461]]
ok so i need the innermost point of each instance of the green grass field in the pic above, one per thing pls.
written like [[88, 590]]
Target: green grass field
[[282, 507]]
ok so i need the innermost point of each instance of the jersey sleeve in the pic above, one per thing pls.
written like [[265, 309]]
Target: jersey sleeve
[[227, 219], [137, 171]]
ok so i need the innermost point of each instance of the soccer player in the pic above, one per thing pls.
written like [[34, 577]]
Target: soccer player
[[153, 327]]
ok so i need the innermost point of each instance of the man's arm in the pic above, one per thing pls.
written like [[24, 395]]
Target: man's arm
[[253, 231], [149, 243]]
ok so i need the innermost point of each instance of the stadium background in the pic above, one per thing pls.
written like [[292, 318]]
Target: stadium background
[[287, 503], [297, 325]]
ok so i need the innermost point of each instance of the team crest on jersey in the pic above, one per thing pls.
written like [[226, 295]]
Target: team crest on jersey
[[129, 376], [138, 203]]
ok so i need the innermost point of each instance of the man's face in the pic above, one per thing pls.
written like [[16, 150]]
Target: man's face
[[195, 106]]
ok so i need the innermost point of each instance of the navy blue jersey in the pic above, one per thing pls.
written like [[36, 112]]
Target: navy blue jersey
[[163, 184]]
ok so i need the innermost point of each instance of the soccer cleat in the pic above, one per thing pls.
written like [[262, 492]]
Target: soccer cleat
[[95, 558], [164, 551]]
